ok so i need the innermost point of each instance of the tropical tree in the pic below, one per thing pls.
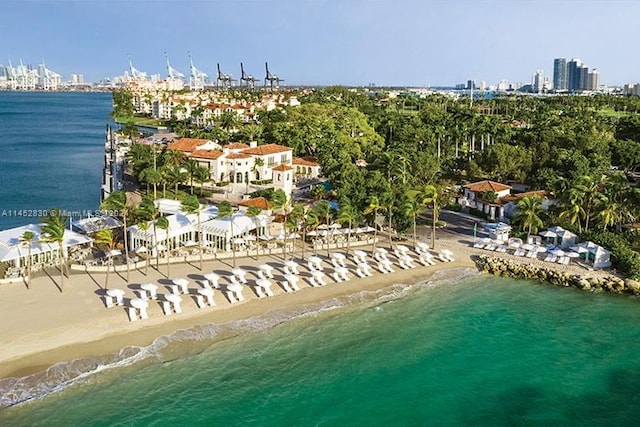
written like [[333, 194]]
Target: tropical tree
[[149, 211], [323, 210], [53, 232], [413, 208], [144, 226], [152, 176], [312, 221], [163, 224], [528, 213], [192, 166], [201, 176], [374, 207], [107, 239], [281, 202], [431, 196], [27, 239], [347, 214], [225, 210], [254, 212], [191, 205], [117, 202]]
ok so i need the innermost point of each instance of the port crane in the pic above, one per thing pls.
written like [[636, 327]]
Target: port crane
[[271, 78], [224, 80], [248, 79]]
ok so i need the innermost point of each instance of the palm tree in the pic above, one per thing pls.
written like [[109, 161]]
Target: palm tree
[[152, 176], [117, 201], [53, 232], [349, 215], [163, 224], [528, 213], [312, 221], [144, 225], [175, 176], [254, 212], [281, 202], [431, 196], [150, 212], [191, 166], [106, 238], [413, 208], [573, 209], [323, 209], [191, 205], [27, 239], [296, 219], [201, 176], [225, 210], [373, 208]]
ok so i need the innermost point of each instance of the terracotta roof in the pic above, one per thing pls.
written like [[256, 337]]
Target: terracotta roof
[[282, 168], [259, 202], [515, 197], [186, 144], [207, 154], [484, 186], [263, 150], [304, 161], [236, 146], [238, 156]]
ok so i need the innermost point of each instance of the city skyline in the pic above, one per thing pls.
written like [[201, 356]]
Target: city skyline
[[409, 42]]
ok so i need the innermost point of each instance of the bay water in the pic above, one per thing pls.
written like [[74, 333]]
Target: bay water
[[455, 350], [51, 153]]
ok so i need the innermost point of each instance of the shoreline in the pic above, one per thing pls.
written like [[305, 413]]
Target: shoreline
[[61, 335], [75, 326]]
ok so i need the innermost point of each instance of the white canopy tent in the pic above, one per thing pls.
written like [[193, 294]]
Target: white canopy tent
[[14, 252]]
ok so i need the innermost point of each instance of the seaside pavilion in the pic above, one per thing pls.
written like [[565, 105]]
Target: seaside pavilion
[[183, 230], [15, 254]]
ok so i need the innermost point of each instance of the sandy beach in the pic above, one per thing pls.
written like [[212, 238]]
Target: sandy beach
[[42, 326]]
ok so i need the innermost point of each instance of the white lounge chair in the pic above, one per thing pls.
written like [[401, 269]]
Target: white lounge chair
[[204, 297], [291, 267], [290, 283], [265, 285], [317, 279], [234, 292], [266, 270], [240, 274], [113, 297]]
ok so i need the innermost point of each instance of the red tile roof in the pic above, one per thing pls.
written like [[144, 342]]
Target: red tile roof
[[236, 146], [515, 197], [282, 168], [263, 150], [207, 154], [484, 186], [238, 156], [305, 161], [186, 144], [259, 202]]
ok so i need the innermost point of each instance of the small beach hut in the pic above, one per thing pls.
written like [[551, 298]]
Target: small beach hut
[[600, 257], [564, 238]]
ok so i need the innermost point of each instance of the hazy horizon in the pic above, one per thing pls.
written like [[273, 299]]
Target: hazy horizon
[[399, 43]]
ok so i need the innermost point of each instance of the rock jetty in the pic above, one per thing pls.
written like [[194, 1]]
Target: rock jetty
[[507, 268]]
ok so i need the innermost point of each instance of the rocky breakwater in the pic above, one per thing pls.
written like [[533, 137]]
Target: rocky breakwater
[[508, 268]]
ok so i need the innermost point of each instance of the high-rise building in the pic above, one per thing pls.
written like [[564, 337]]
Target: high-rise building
[[560, 74], [573, 74]]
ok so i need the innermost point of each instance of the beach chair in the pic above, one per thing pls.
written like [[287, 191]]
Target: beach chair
[[266, 270], [240, 274], [204, 297], [291, 267], [264, 285]]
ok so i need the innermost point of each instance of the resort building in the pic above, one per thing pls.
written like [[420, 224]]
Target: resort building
[[215, 233], [255, 166], [14, 253]]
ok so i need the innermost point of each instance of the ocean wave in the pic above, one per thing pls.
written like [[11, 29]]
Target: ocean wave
[[15, 391]]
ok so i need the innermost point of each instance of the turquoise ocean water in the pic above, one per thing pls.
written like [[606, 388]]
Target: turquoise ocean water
[[51, 153], [472, 350]]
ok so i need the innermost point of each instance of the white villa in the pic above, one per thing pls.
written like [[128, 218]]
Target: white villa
[[239, 163]]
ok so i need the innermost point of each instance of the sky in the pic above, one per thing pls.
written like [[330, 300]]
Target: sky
[[322, 42]]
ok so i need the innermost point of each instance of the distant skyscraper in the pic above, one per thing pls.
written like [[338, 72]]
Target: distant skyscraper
[[560, 74], [573, 74]]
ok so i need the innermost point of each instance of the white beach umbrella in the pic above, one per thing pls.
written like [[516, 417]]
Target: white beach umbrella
[[572, 254], [548, 234], [446, 252], [558, 252], [527, 246], [360, 253], [212, 277], [235, 287]]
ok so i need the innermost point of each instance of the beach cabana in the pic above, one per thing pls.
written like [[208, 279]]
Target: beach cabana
[[599, 256], [564, 238]]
